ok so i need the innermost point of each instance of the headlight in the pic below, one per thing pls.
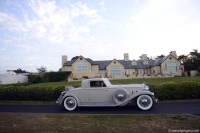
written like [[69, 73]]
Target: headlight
[[146, 87]]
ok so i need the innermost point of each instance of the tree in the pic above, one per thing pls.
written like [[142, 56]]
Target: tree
[[19, 70], [182, 58], [193, 60], [160, 56], [42, 69], [195, 54]]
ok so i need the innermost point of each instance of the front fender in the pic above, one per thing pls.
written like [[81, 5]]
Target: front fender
[[136, 95]]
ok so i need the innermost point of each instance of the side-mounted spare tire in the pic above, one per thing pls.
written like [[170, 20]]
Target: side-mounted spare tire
[[120, 96], [145, 102]]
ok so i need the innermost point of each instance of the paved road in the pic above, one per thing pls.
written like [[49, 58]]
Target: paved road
[[160, 108]]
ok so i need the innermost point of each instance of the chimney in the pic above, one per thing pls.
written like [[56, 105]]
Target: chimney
[[173, 53], [143, 57], [64, 59], [126, 57]]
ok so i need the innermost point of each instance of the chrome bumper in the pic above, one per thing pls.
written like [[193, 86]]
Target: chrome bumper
[[155, 99], [60, 99]]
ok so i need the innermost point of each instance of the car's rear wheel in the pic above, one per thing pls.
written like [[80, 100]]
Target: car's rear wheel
[[145, 102], [70, 103]]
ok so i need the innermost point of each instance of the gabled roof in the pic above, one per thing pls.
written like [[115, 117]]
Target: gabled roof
[[126, 64], [69, 63], [103, 64], [160, 60]]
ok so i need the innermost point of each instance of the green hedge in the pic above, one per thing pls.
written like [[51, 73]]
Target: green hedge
[[163, 91], [30, 93], [48, 77], [55, 76], [34, 78], [175, 91]]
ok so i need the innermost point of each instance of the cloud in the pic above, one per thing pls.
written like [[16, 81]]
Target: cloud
[[38, 32], [46, 27], [102, 5], [11, 23], [160, 25]]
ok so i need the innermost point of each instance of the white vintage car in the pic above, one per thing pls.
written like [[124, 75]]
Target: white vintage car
[[100, 92]]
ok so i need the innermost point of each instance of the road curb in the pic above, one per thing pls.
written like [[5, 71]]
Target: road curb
[[193, 115]]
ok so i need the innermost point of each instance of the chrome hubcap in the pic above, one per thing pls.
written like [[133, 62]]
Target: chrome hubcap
[[70, 103], [144, 102]]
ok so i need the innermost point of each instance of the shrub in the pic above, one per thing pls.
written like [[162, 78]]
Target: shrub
[[55, 76], [30, 93], [175, 91], [163, 91], [34, 78]]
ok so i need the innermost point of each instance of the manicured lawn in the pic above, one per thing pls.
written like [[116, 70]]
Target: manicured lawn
[[126, 81], [63, 83], [155, 80], [60, 123]]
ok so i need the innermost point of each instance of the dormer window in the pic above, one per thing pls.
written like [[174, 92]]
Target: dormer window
[[134, 62], [145, 62]]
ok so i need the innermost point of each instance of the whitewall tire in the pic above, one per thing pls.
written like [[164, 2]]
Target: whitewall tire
[[70, 103], [145, 102]]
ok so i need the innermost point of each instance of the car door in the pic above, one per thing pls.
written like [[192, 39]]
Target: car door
[[98, 95], [83, 95]]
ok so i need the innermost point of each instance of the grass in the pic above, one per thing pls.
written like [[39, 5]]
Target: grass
[[154, 80], [60, 123], [28, 102], [126, 81], [63, 83]]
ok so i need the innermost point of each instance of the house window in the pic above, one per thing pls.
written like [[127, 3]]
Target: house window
[[145, 62], [172, 68], [128, 72], [145, 71], [139, 71], [81, 67], [115, 71]]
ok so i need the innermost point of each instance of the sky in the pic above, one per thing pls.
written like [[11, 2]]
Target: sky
[[35, 33]]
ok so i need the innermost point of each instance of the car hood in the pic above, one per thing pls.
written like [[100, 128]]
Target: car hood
[[130, 85]]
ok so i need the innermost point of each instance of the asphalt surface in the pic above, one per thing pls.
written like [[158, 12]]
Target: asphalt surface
[[159, 108]]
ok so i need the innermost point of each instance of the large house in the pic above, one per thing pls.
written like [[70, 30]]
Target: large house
[[82, 67]]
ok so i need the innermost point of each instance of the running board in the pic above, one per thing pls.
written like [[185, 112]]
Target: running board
[[97, 105]]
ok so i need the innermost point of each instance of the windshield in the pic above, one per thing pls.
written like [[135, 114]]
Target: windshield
[[107, 82]]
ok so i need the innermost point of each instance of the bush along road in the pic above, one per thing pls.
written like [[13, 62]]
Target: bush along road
[[163, 91]]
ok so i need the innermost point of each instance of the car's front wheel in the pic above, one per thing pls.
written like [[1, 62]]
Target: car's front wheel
[[70, 103], [145, 102]]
